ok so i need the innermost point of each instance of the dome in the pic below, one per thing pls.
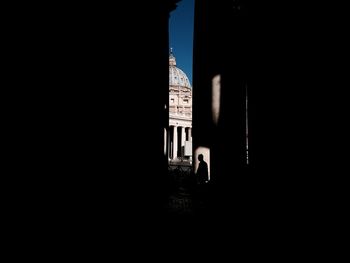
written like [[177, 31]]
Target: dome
[[176, 76]]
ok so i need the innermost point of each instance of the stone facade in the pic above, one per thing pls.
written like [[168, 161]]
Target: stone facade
[[178, 146]]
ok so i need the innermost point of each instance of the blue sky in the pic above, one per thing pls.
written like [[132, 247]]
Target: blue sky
[[181, 35]]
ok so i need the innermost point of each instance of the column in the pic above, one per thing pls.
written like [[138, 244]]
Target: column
[[165, 142], [174, 143], [183, 139], [169, 147], [183, 136], [190, 134]]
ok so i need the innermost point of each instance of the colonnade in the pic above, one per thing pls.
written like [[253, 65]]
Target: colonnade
[[174, 141]]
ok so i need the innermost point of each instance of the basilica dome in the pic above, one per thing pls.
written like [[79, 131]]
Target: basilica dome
[[176, 76]]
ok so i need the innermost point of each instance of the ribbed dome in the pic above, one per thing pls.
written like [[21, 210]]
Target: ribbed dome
[[176, 76]]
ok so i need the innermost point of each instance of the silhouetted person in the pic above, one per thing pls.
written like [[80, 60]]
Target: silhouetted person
[[202, 171]]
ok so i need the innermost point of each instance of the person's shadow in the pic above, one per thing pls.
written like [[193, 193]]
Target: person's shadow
[[202, 171], [201, 192]]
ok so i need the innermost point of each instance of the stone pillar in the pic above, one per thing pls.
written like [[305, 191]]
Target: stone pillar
[[183, 139], [189, 138], [183, 136], [174, 142], [169, 148], [165, 142]]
